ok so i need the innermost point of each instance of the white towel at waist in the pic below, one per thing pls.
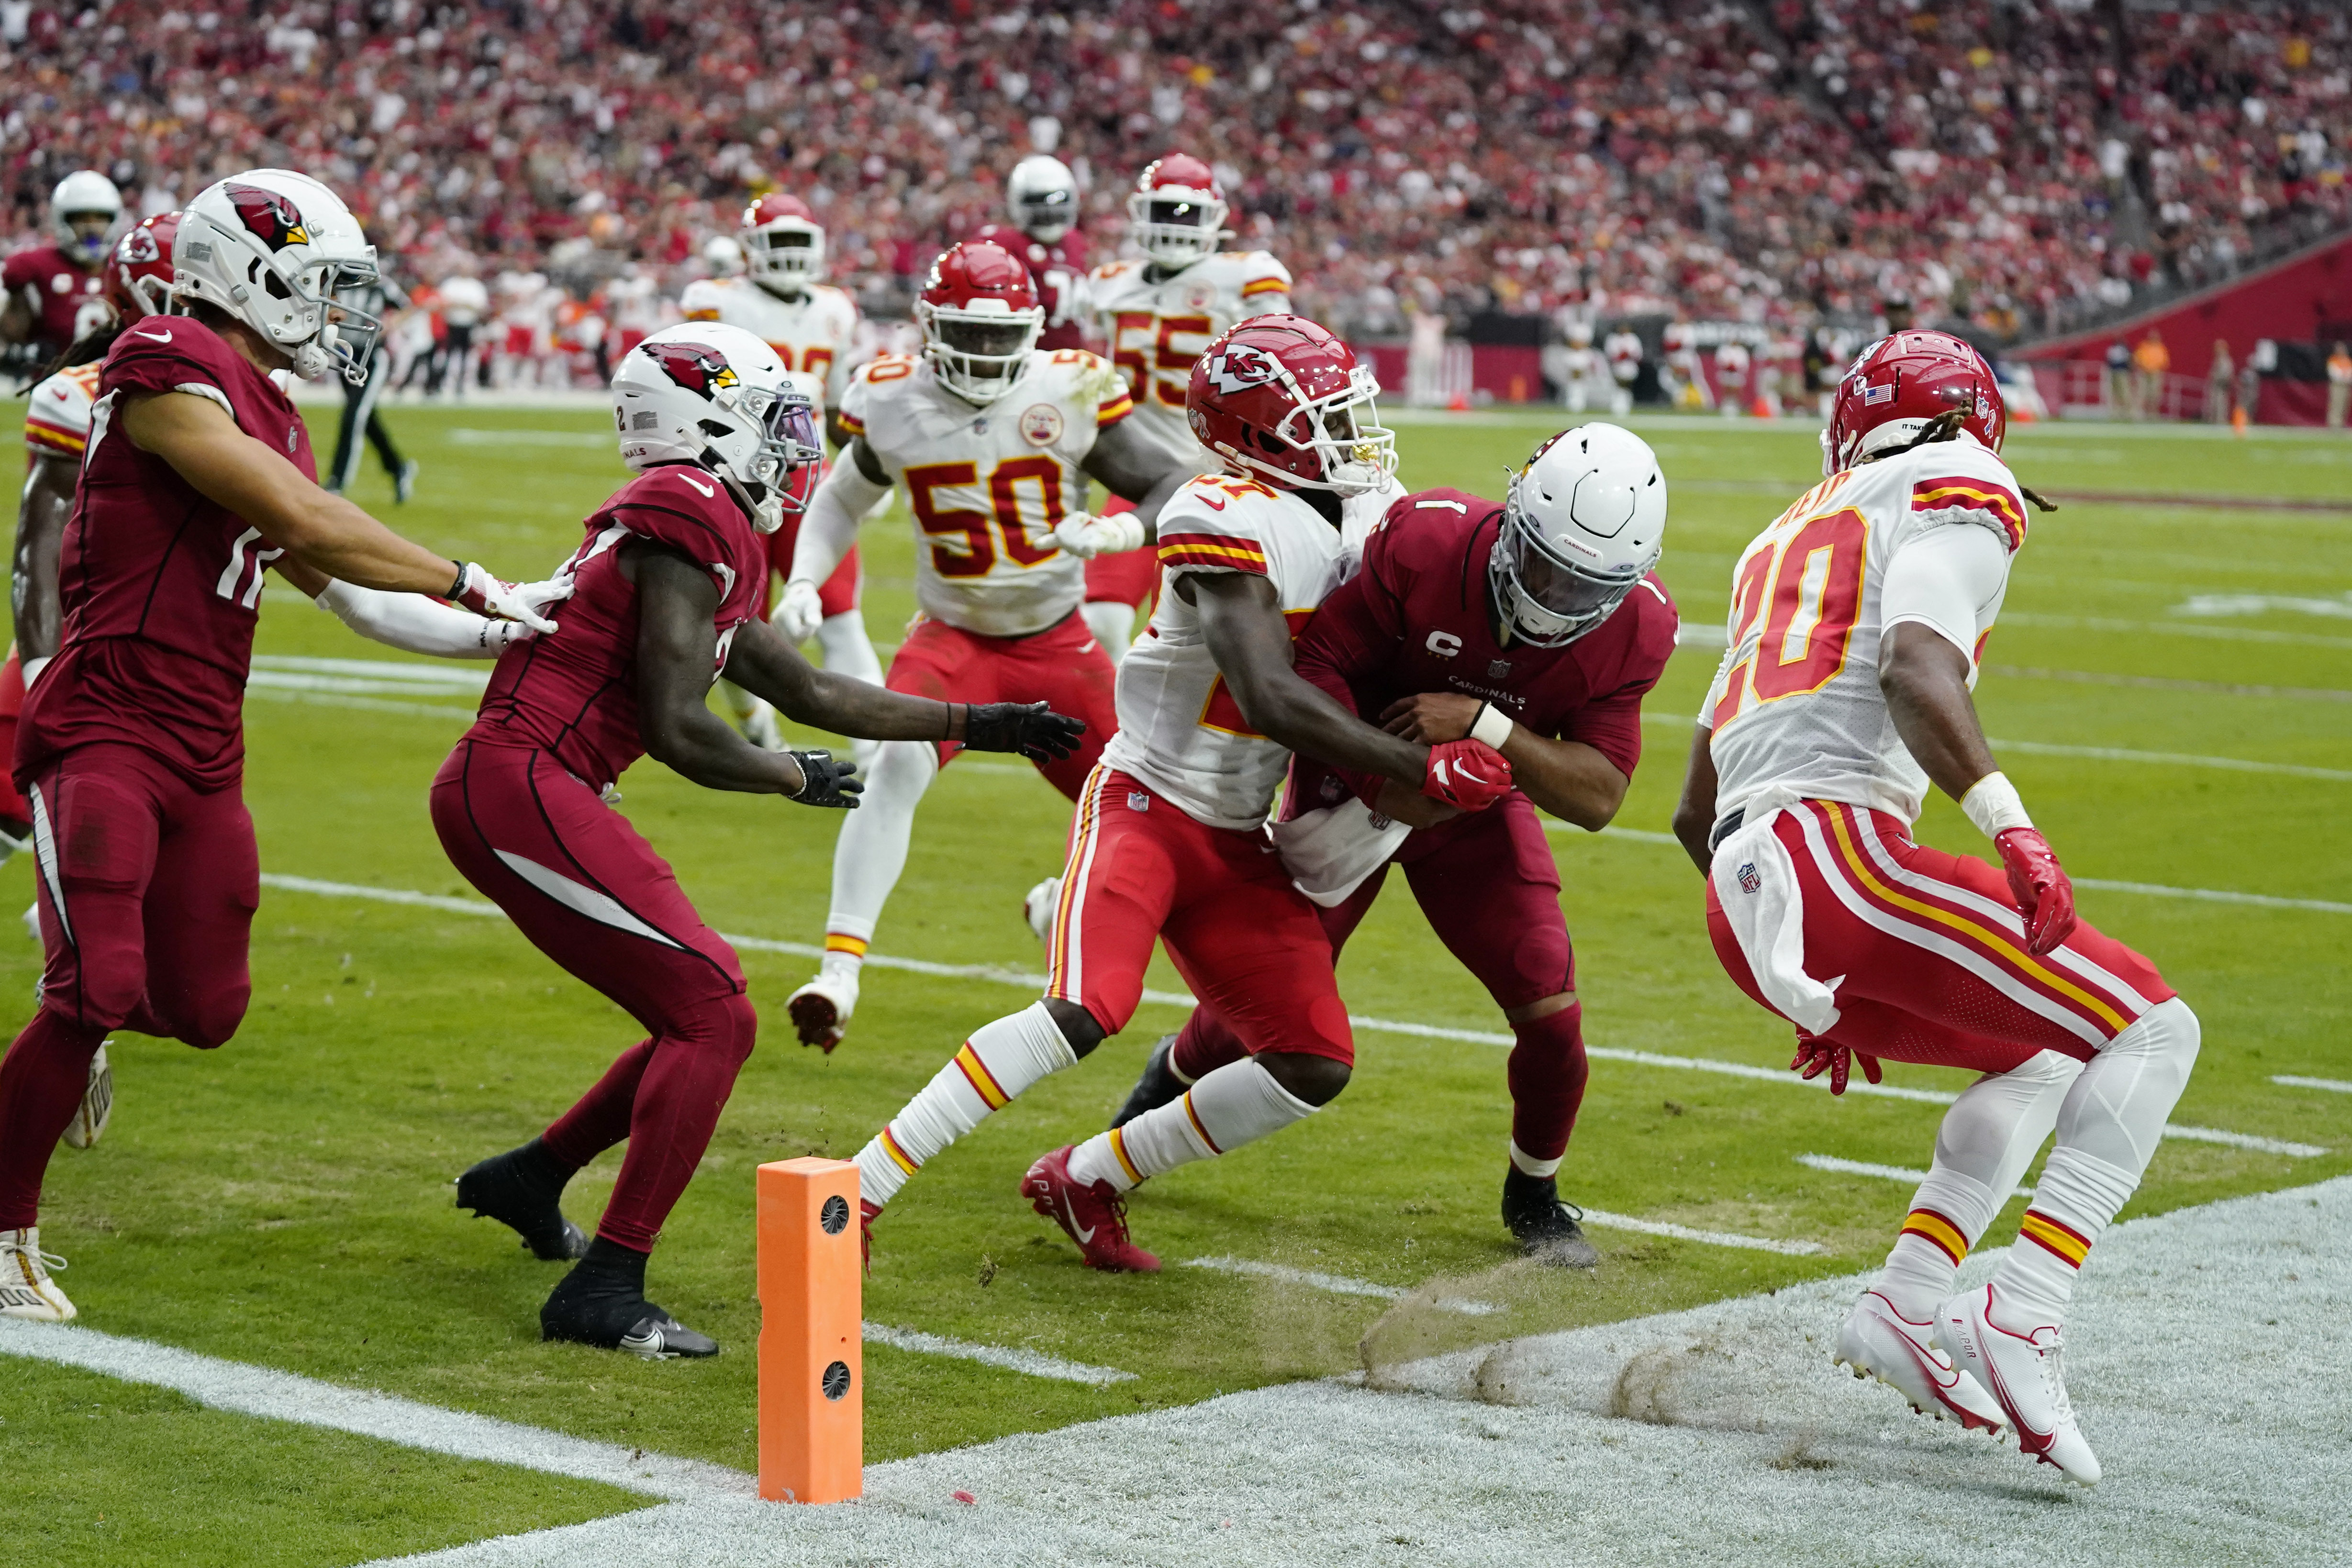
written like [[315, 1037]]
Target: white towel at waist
[[1330, 851], [1755, 882]]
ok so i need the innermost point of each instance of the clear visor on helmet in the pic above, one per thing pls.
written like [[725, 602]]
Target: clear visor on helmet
[[1175, 215], [1549, 596], [341, 291], [788, 444], [1050, 210]]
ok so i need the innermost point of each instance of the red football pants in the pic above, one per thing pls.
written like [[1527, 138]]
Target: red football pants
[[590, 894], [147, 891], [1933, 952], [1490, 890], [1062, 666], [1247, 942], [1126, 576]]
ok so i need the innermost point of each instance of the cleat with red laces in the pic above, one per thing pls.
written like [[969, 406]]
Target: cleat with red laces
[[2024, 1371], [1876, 1341], [1094, 1216]]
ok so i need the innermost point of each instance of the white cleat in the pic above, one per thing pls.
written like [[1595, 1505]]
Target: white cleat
[[96, 1102], [821, 1010], [1876, 1341], [1037, 906], [2023, 1372], [26, 1289], [759, 727]]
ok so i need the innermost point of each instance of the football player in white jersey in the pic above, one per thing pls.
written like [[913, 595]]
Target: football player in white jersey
[[1168, 843], [782, 299], [1157, 315], [993, 441], [1857, 620]]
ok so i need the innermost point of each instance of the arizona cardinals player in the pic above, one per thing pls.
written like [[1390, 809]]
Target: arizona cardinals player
[[55, 293], [993, 440], [1168, 843], [198, 479], [665, 599], [1856, 621], [1158, 314], [782, 299], [1042, 197], [1536, 626]]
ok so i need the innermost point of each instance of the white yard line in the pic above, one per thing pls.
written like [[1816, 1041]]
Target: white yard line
[[1712, 1237], [2169, 684], [2174, 628], [2333, 1085], [1007, 975], [1011, 1358], [359, 703], [1337, 1284], [473, 674], [1885, 1173]]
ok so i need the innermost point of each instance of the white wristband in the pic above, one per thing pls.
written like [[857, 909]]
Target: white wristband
[[32, 669], [1492, 726], [1992, 805]]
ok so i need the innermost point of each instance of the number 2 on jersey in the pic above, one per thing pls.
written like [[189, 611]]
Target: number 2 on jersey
[[1807, 589]]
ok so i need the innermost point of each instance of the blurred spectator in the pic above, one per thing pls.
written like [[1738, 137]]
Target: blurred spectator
[[2339, 386], [2150, 361], [2217, 377], [2119, 380]]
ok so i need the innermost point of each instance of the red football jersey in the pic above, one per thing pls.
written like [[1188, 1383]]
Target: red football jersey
[[67, 300], [1058, 271], [575, 693], [159, 585], [1415, 618]]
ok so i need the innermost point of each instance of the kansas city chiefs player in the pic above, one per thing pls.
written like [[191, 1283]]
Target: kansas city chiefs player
[[665, 599], [1168, 843], [197, 480], [1856, 621], [55, 293], [1535, 626], [993, 441], [782, 299], [1042, 196], [1158, 314]]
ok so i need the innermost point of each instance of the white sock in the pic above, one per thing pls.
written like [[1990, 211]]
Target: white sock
[[994, 1066], [1527, 1164], [872, 849], [1237, 1103], [1112, 623], [847, 650]]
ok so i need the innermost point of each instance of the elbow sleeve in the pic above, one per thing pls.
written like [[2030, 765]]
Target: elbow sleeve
[[412, 622], [833, 514]]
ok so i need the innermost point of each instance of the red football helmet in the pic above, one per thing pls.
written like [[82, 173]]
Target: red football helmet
[[1899, 383], [980, 318], [1177, 215], [139, 268], [782, 240], [1277, 398]]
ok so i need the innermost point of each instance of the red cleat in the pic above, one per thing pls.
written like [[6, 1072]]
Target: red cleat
[[868, 1211], [1094, 1216]]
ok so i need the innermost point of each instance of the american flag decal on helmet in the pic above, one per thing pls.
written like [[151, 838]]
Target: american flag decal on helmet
[[1883, 393]]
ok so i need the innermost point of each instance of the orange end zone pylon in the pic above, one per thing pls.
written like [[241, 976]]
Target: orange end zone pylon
[[811, 1371]]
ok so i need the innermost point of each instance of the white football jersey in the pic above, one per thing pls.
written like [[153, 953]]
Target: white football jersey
[[1157, 329], [814, 334], [1796, 701], [56, 417], [986, 485], [1180, 730]]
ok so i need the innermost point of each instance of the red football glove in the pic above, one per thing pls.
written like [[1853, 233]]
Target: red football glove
[[1812, 1055], [1468, 775], [2039, 884]]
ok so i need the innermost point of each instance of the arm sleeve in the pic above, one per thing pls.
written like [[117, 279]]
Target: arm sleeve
[[1944, 578], [419, 624], [831, 525]]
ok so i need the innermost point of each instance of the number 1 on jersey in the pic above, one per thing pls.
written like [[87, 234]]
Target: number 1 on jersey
[[1808, 591]]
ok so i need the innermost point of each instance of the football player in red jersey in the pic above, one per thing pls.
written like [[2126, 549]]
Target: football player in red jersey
[[667, 586], [1042, 196], [1536, 626], [197, 480], [56, 294]]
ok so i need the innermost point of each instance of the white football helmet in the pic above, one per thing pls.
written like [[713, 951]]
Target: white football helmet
[[1042, 196], [82, 194], [783, 243], [1583, 522], [274, 248], [716, 396]]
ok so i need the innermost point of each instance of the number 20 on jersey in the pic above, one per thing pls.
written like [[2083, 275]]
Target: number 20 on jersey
[[1805, 587]]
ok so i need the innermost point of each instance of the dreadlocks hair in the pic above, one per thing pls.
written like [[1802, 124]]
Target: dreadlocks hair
[[1944, 426]]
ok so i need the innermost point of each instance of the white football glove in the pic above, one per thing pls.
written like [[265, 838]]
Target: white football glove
[[1088, 537], [496, 598], [799, 612]]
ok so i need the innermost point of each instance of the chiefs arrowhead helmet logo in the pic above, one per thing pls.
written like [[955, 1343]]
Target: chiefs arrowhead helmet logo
[[138, 247], [273, 217], [1240, 366], [694, 366]]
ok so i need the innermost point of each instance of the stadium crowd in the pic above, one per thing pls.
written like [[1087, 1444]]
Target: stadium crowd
[[2015, 165]]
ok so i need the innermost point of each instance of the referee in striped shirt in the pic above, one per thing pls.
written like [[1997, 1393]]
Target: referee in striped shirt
[[379, 299]]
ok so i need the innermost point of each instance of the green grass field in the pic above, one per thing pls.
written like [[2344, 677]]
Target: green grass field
[[285, 1200]]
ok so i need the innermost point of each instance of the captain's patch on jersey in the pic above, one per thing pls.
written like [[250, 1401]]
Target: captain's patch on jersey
[[1041, 424]]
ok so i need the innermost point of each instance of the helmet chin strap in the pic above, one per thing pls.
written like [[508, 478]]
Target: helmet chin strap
[[766, 508]]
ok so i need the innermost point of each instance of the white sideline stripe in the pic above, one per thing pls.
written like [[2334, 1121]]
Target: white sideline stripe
[[1001, 974], [288, 1397], [1337, 1284], [1012, 1359], [1885, 1173], [472, 675], [2333, 1085], [1712, 1237], [361, 703]]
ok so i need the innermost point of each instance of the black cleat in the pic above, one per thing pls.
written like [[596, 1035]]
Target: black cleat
[[602, 1302], [1157, 1085], [523, 1189], [1549, 1230]]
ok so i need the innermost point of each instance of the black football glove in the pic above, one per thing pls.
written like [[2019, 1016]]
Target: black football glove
[[826, 781], [1033, 729]]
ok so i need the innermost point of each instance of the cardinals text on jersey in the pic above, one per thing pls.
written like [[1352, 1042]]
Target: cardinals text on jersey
[[987, 484], [1796, 701], [813, 335], [56, 420], [1157, 329]]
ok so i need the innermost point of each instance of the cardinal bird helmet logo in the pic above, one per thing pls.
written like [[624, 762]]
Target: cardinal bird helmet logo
[[697, 367], [270, 216]]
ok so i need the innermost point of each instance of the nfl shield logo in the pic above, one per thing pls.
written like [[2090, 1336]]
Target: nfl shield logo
[[1136, 800], [1497, 668], [1749, 881]]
